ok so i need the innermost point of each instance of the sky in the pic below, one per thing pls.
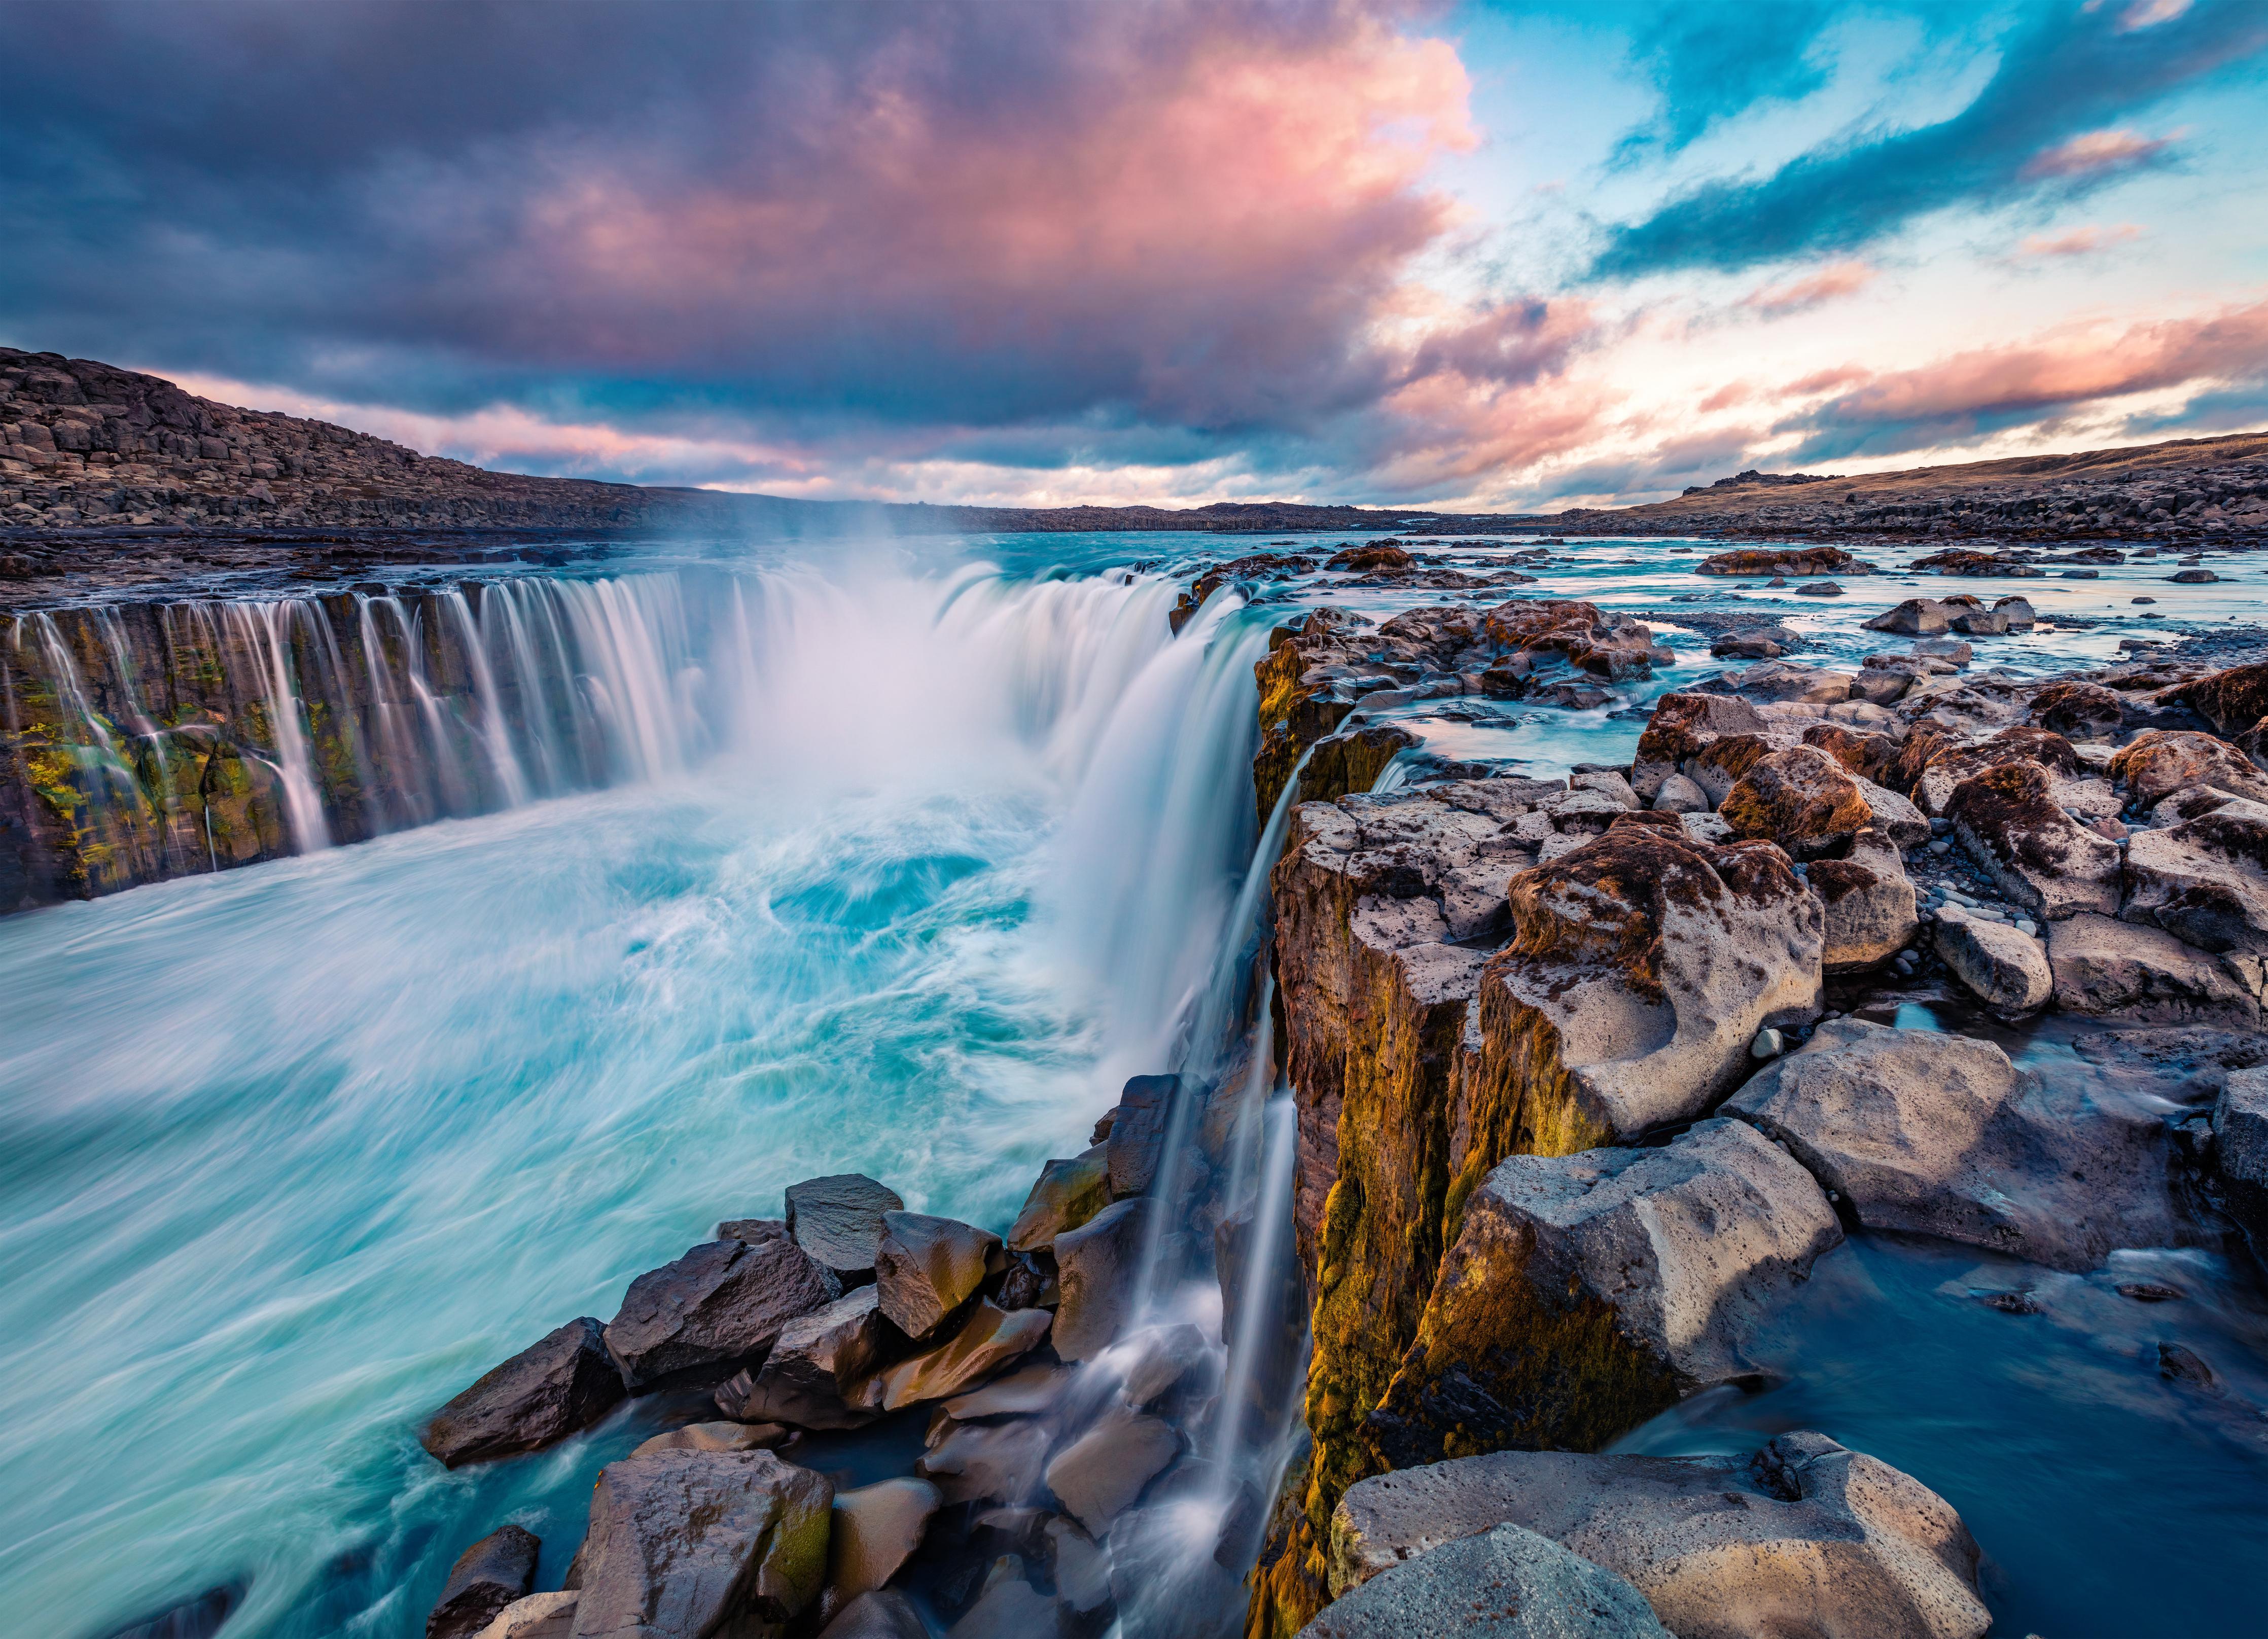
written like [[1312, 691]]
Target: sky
[[1496, 255]]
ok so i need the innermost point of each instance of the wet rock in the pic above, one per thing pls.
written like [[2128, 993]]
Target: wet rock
[[1744, 646], [718, 1306], [875, 1529], [538, 1616], [1082, 1573], [199, 1618], [1376, 555], [982, 1462], [1804, 1537], [838, 1222], [1585, 1292], [2177, 1363], [885, 1613], [1782, 679], [2022, 617], [2204, 880], [1921, 617], [1641, 966], [1801, 798], [927, 1267], [1352, 761], [986, 1342], [1931, 1134], [819, 1361], [2239, 1128], [1798, 560], [683, 1542], [2155, 764], [1098, 1477], [2007, 820], [2007, 970], [2079, 710], [1138, 1133], [1880, 686], [717, 1436], [1599, 643], [1009, 1608], [1981, 622], [1099, 1264], [540, 1396], [1867, 904], [1505, 1583], [491, 1574], [2110, 968]]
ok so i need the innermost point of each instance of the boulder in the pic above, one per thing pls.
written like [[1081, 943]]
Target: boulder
[[1803, 1537], [720, 1306], [1008, 1609], [819, 1361], [1867, 755], [540, 1396], [2007, 820], [1783, 679], [1099, 1266], [2231, 700], [2005, 969], [1799, 560], [2240, 1148], [1919, 617], [1678, 794], [2155, 763], [875, 1529], [2130, 970], [928, 1267], [1099, 1475], [2204, 879], [1068, 1194], [683, 1542], [1801, 798], [2021, 616], [986, 1462], [2079, 710], [1138, 1133], [1505, 1583], [1881, 685], [838, 1222], [1867, 903], [1680, 726], [493, 1573], [1585, 1292], [885, 1613], [1931, 1134], [717, 1436], [538, 1616], [1641, 966], [1982, 623], [988, 1340]]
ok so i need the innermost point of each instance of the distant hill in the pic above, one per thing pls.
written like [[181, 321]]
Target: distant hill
[[86, 446]]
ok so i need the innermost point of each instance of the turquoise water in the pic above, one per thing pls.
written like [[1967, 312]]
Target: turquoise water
[[940, 853]]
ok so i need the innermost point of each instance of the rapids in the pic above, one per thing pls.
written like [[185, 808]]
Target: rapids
[[896, 863]]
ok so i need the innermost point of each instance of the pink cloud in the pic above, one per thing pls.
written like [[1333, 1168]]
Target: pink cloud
[[1826, 380], [2094, 153], [1725, 397], [2147, 13], [1842, 278], [2087, 241]]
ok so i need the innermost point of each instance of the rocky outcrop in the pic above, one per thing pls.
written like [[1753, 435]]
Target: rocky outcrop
[[537, 1398], [1804, 1537], [1584, 1292], [1505, 1583], [1931, 1133], [683, 1543]]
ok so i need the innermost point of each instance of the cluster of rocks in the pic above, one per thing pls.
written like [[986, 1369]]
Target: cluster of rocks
[[1059, 1419], [1576, 1116]]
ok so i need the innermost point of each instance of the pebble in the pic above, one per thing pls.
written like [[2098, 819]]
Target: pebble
[[2026, 925], [1768, 1044]]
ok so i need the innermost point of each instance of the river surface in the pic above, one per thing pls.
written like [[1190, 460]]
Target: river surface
[[944, 849]]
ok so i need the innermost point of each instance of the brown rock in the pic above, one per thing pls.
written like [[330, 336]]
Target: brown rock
[[2079, 710], [876, 1529], [540, 1396], [1868, 903], [721, 1305], [2007, 820], [928, 1267], [1801, 798], [2155, 763], [2230, 700], [1067, 1194], [988, 1340], [493, 1573]]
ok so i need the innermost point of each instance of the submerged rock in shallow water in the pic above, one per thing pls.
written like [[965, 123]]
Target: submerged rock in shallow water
[[1505, 1583], [1804, 1537], [540, 1396], [1098, 1266]]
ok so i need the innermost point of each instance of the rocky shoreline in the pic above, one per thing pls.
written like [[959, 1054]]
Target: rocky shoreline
[[1588, 1075]]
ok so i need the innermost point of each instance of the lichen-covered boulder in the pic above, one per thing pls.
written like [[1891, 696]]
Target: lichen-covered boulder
[[2006, 968], [2155, 763], [2133, 972], [1948, 764], [1932, 1134], [1804, 1538], [1867, 903], [838, 1222], [543, 1395], [1681, 725], [1584, 1292], [2231, 700], [1801, 798], [2007, 820], [1601, 642], [682, 1543], [1641, 966], [927, 1267], [2079, 710], [1505, 1583], [2204, 879], [720, 1306]]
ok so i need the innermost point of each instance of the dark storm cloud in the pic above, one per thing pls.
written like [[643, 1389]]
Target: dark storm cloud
[[2035, 127]]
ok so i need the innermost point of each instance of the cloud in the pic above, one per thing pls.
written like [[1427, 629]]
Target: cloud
[[1842, 278], [2059, 81], [2087, 241], [2147, 13], [1711, 64], [2095, 154], [1984, 389]]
